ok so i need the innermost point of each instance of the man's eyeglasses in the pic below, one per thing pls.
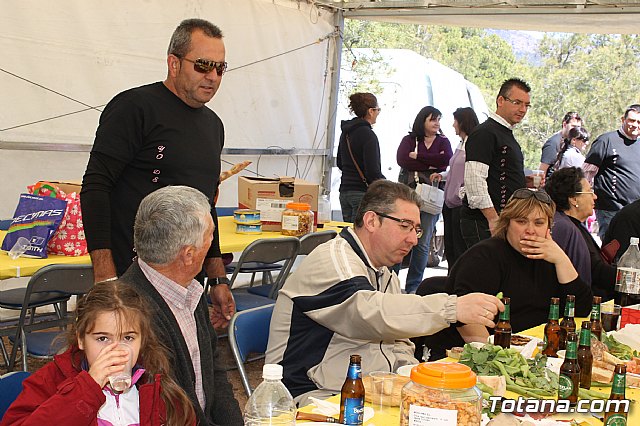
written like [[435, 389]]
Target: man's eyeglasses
[[376, 109], [406, 224], [205, 66], [517, 102], [525, 193], [585, 192]]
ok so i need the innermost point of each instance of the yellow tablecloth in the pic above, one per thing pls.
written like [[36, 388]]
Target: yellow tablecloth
[[230, 242], [393, 418], [25, 267]]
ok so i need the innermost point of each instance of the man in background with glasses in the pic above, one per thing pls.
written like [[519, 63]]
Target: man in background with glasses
[[343, 299], [613, 168], [153, 136], [552, 146], [494, 166]]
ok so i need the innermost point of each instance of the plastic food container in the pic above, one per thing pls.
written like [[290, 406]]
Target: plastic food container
[[441, 391], [246, 216], [297, 220]]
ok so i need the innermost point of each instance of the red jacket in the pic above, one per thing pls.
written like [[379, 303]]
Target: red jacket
[[59, 394]]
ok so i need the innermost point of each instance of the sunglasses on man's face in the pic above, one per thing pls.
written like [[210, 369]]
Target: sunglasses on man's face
[[525, 193], [205, 66]]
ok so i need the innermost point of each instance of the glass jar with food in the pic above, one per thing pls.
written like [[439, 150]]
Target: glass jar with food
[[297, 220], [443, 391]]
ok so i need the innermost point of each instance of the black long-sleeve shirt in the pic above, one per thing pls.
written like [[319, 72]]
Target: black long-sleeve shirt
[[147, 139]]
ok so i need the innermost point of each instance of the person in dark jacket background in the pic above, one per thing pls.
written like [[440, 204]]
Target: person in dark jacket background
[[358, 153]]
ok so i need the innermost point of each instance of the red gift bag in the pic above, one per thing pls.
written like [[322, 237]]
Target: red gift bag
[[69, 239]]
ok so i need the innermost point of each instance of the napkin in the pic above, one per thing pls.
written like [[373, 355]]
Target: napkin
[[332, 409]]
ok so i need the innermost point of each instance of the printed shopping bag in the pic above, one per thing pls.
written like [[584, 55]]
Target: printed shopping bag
[[36, 218], [69, 239]]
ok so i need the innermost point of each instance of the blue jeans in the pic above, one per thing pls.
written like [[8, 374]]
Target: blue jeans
[[604, 218], [349, 203], [420, 253]]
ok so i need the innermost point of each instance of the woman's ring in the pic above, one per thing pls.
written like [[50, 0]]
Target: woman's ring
[[487, 313]]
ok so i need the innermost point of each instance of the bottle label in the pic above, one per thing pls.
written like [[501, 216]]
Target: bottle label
[[585, 337], [572, 350], [506, 314], [616, 420], [565, 386], [353, 411], [554, 312], [354, 372], [570, 310], [290, 223], [595, 312], [619, 384], [627, 280]]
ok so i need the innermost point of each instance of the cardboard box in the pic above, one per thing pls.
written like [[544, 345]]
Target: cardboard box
[[271, 195], [630, 315], [67, 187]]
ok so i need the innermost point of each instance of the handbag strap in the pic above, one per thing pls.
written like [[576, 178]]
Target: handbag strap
[[364, 180], [415, 173]]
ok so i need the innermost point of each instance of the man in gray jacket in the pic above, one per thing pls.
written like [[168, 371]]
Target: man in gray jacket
[[343, 300]]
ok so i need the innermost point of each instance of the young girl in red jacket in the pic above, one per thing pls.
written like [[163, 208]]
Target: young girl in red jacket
[[74, 389]]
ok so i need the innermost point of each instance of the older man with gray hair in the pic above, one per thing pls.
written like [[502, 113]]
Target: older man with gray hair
[[172, 233]]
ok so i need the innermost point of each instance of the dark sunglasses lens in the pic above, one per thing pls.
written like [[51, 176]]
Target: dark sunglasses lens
[[204, 67]]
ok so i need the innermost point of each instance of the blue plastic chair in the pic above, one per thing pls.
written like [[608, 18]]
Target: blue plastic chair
[[249, 333], [270, 250], [61, 280], [10, 388]]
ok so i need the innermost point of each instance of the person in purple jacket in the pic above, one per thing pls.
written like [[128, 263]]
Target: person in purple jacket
[[425, 150]]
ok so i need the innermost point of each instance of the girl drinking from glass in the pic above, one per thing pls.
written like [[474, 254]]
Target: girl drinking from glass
[[112, 325]]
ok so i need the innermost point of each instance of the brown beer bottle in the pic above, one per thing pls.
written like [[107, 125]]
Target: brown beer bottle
[[596, 325], [568, 323], [569, 379], [552, 330], [617, 417], [585, 357], [352, 394], [502, 336]]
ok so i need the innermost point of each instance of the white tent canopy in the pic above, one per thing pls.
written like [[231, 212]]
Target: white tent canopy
[[578, 16], [64, 60]]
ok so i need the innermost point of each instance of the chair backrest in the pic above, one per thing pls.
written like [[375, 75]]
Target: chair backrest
[[64, 279], [249, 333], [311, 241], [10, 388], [270, 250]]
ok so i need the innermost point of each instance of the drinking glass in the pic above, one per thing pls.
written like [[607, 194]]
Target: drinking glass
[[609, 316], [121, 381], [18, 249]]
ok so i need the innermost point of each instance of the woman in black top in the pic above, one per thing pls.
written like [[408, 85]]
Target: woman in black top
[[358, 153], [575, 198]]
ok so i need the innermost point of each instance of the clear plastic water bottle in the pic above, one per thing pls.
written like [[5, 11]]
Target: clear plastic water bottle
[[627, 290], [271, 403]]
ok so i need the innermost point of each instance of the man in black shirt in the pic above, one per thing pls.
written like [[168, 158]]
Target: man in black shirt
[[494, 166], [153, 136], [613, 162]]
